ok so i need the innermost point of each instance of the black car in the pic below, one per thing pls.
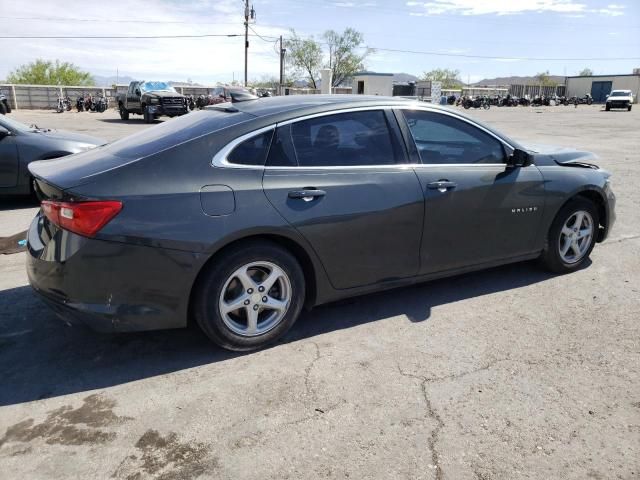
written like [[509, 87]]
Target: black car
[[241, 214], [151, 100], [21, 144]]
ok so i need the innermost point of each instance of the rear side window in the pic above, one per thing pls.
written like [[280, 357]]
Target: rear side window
[[343, 139], [252, 151], [442, 139]]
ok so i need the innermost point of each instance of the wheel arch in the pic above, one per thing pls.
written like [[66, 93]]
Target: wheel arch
[[300, 253]]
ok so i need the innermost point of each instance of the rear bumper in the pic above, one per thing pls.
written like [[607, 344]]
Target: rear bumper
[[109, 286]]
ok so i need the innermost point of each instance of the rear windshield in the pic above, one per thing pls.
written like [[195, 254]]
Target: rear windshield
[[173, 132]]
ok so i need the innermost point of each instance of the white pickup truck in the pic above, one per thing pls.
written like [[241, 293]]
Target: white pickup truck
[[619, 99]]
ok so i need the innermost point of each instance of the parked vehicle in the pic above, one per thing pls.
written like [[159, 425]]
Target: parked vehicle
[[151, 100], [230, 94], [101, 103], [477, 102], [21, 144], [5, 107], [80, 103], [619, 99], [64, 103], [241, 214]]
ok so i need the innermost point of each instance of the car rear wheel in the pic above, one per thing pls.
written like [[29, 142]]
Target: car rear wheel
[[249, 297], [572, 236], [124, 113]]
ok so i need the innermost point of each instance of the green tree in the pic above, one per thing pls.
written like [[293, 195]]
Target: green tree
[[586, 72], [46, 72], [344, 60], [304, 57], [544, 79], [449, 78]]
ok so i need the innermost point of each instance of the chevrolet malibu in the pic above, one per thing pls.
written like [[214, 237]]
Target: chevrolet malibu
[[240, 215]]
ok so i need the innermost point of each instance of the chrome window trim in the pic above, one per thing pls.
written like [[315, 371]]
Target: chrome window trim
[[220, 158]]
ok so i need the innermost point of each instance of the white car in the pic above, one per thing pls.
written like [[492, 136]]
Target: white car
[[619, 99]]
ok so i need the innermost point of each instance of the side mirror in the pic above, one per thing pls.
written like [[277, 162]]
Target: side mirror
[[137, 91], [4, 132], [519, 158]]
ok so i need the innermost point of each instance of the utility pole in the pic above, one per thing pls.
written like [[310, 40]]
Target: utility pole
[[249, 13], [282, 53]]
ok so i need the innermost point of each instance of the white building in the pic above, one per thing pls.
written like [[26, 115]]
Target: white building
[[599, 86], [371, 83]]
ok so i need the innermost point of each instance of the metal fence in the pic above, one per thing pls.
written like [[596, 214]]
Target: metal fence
[[46, 96], [533, 90]]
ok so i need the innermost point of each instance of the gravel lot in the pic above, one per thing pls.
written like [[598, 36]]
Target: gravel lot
[[506, 374]]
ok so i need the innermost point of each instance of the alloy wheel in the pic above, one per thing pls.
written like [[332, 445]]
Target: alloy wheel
[[575, 237], [255, 298]]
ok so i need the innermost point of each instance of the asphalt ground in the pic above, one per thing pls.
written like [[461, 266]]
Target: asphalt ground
[[510, 373]]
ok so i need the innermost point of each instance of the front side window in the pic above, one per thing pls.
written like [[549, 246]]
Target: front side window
[[442, 139], [343, 139], [252, 151]]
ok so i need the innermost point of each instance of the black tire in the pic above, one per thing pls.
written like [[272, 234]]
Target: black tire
[[551, 258], [212, 280], [148, 118], [607, 107], [3, 109], [124, 113], [629, 108]]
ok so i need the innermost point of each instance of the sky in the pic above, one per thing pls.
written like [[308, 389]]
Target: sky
[[604, 36]]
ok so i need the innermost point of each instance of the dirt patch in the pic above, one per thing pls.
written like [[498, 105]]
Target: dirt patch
[[166, 458], [62, 426]]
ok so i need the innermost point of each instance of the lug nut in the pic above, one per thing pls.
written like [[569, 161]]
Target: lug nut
[[264, 299], [255, 307], [250, 291], [247, 302], [261, 289]]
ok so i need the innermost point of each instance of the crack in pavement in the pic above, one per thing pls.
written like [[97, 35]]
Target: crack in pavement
[[307, 372], [431, 413]]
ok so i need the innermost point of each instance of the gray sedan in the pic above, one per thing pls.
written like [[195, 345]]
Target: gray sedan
[[240, 215], [21, 144]]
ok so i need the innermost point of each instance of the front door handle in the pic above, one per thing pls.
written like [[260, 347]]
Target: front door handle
[[442, 185], [307, 194]]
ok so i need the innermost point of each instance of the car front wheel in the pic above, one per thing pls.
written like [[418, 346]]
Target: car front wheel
[[572, 236], [250, 297]]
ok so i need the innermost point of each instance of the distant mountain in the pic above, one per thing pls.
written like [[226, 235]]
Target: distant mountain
[[404, 78], [559, 79]]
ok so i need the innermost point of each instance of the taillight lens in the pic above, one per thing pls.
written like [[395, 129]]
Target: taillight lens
[[83, 218]]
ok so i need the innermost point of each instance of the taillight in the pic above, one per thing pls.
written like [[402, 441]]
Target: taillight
[[83, 218]]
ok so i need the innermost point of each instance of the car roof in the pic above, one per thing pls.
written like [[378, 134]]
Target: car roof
[[287, 103]]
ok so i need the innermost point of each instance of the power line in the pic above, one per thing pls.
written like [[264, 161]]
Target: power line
[[88, 37]]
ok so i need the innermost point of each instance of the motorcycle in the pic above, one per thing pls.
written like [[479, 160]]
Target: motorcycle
[[101, 103], [191, 104], [4, 104], [451, 99], [64, 103], [80, 104], [202, 101]]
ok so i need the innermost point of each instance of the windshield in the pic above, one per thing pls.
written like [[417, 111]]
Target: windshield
[[620, 94], [156, 87]]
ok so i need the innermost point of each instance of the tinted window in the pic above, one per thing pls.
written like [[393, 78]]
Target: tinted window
[[281, 153], [444, 139], [252, 151], [343, 139]]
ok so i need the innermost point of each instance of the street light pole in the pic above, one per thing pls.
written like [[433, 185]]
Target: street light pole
[[246, 39]]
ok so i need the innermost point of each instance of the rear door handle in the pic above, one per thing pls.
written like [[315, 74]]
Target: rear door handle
[[307, 194], [442, 185]]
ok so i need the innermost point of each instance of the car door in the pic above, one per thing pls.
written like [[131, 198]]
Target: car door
[[133, 99], [341, 181], [477, 209], [9, 160]]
